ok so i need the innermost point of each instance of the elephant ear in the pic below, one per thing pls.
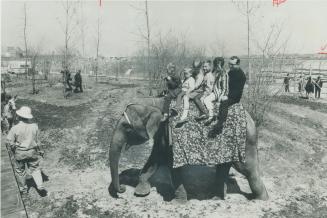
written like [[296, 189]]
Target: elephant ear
[[128, 128]]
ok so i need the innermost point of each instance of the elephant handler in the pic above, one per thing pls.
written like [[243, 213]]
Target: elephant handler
[[22, 139], [236, 82]]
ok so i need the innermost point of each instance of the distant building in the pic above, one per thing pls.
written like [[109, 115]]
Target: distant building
[[13, 60]]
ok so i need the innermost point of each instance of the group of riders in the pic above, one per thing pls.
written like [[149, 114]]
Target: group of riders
[[206, 83]]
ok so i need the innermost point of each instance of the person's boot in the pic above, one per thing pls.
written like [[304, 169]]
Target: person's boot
[[201, 117], [209, 121], [164, 117], [174, 112], [183, 119], [37, 176]]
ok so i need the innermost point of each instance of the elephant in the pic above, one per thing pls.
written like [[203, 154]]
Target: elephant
[[147, 115]]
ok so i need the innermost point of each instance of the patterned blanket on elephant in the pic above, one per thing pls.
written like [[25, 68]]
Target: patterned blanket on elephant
[[191, 145]]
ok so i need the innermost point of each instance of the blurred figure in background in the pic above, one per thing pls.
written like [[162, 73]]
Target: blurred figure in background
[[300, 84], [287, 83], [78, 82], [309, 88], [318, 87]]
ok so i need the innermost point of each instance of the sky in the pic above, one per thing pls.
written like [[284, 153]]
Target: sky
[[206, 24]]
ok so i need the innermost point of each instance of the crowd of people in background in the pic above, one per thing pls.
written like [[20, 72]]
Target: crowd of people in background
[[307, 85]]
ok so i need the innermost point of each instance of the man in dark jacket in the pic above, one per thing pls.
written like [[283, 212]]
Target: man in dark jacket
[[287, 83], [78, 82], [318, 86], [236, 82], [68, 80], [173, 82]]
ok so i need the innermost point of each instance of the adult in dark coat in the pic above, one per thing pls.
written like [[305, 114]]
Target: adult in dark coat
[[318, 87], [174, 84], [236, 82], [78, 82], [309, 87], [287, 83], [68, 80]]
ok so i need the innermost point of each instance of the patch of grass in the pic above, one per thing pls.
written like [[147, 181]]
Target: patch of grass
[[49, 116], [76, 158], [96, 212], [68, 209], [295, 208], [47, 138]]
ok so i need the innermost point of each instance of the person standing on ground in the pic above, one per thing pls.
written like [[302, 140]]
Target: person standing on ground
[[287, 83], [300, 84], [78, 82], [318, 87], [22, 139]]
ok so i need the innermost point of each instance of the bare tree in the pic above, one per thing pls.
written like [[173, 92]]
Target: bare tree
[[25, 39], [97, 49], [82, 25], [247, 9], [260, 93], [68, 26], [148, 35], [34, 55]]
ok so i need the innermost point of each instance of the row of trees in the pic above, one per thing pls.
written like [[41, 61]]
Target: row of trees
[[158, 51], [73, 25]]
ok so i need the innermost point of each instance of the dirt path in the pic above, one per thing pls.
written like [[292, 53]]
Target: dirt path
[[292, 154]]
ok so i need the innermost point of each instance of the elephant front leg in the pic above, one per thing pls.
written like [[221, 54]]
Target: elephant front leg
[[143, 187]]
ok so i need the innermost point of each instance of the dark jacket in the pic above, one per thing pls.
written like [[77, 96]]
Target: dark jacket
[[78, 78], [318, 84], [236, 82], [174, 82]]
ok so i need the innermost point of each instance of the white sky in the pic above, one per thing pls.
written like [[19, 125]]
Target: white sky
[[205, 23]]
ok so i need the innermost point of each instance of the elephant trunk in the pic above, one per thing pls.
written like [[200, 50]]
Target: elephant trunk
[[117, 143]]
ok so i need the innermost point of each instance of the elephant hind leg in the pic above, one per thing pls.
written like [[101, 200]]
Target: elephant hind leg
[[222, 171], [178, 183], [251, 172]]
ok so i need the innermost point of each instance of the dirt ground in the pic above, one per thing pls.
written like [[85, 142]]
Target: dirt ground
[[75, 135]]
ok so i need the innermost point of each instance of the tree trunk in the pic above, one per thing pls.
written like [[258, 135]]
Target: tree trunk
[[25, 39], [248, 31]]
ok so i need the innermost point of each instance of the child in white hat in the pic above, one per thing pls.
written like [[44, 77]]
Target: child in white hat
[[23, 140]]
